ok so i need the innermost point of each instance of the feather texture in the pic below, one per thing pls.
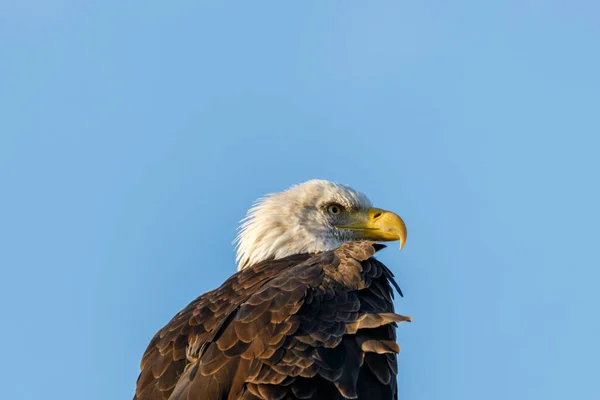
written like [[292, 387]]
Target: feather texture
[[307, 326]]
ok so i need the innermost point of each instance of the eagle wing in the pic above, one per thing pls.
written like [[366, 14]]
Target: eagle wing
[[302, 327]]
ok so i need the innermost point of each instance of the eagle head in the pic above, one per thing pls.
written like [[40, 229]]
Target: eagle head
[[311, 217]]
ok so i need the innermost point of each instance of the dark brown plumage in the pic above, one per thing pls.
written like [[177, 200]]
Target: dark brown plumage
[[302, 327]]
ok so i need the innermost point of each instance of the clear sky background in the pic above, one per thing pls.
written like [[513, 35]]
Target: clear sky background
[[134, 136]]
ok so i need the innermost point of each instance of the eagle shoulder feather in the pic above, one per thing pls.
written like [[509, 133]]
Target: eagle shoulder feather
[[305, 326]]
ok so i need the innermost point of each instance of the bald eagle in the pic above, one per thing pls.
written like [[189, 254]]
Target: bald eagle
[[308, 315]]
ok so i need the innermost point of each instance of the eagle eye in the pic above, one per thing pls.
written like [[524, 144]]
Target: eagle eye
[[335, 209]]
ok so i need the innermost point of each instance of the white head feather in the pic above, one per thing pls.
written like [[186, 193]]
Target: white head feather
[[295, 221]]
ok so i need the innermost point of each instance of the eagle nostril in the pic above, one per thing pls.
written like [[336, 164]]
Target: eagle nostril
[[376, 215]]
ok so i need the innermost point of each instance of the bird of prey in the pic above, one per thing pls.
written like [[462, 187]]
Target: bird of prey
[[308, 315]]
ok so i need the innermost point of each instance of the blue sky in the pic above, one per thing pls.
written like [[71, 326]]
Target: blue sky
[[135, 135]]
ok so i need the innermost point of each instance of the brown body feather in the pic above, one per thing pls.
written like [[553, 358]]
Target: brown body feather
[[302, 327]]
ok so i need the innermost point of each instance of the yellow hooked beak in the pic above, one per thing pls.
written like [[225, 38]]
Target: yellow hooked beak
[[378, 225]]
